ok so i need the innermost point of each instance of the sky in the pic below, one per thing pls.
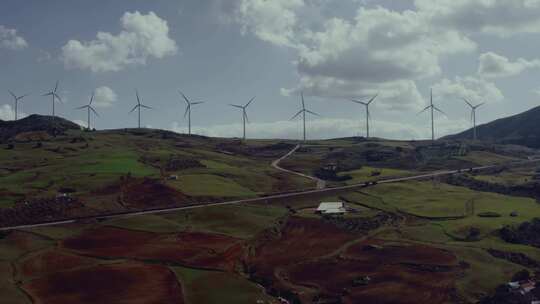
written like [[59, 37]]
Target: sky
[[225, 52]]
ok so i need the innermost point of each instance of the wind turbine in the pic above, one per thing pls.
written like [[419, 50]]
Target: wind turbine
[[244, 113], [54, 96], [303, 111], [89, 108], [368, 116], [433, 108], [188, 109], [17, 99], [473, 115], [138, 107]]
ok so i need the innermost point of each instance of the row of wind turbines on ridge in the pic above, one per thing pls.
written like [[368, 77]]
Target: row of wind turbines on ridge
[[303, 111]]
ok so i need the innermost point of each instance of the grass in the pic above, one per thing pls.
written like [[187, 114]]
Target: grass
[[208, 287], [483, 158], [242, 221], [147, 222], [366, 174], [210, 185]]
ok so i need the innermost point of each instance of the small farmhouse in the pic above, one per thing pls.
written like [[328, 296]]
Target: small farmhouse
[[331, 208]]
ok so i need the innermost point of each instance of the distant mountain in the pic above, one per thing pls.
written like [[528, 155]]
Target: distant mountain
[[521, 129], [35, 123]]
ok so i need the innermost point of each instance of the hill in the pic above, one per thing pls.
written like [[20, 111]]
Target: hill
[[521, 129], [35, 123]]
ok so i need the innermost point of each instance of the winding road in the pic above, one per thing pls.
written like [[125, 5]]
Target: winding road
[[275, 164], [321, 184]]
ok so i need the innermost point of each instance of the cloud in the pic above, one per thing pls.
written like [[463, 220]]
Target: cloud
[[495, 17], [493, 65], [272, 21], [104, 97], [475, 88], [8, 113], [394, 95], [142, 37], [327, 128], [379, 50], [10, 40]]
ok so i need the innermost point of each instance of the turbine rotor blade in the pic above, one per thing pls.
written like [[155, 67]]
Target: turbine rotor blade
[[250, 101], [296, 115], [373, 98], [12, 94], [479, 105], [187, 110], [48, 94], [359, 102], [57, 97], [303, 103], [91, 99], [56, 86], [246, 116], [423, 110], [185, 98], [93, 110], [146, 107], [134, 108], [438, 110], [236, 106], [81, 107], [197, 102], [470, 105], [313, 113]]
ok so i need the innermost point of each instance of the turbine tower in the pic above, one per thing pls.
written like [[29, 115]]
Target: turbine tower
[[54, 96], [89, 108], [16, 100], [189, 103], [368, 116], [138, 107], [473, 115], [244, 113], [433, 108], [303, 111]]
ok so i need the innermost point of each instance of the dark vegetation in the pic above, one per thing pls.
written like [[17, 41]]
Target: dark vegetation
[[527, 233], [520, 129], [47, 125]]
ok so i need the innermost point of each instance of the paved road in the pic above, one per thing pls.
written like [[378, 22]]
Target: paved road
[[321, 184], [275, 196]]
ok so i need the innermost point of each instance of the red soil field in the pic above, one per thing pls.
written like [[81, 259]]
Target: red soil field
[[399, 274], [50, 261], [300, 239], [126, 283], [193, 249], [311, 258]]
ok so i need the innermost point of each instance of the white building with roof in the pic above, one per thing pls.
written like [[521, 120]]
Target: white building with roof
[[331, 208]]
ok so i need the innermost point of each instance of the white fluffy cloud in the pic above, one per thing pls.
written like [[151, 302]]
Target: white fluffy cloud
[[8, 113], [10, 40], [104, 97], [273, 21], [493, 65], [379, 50], [475, 88], [143, 36], [497, 17]]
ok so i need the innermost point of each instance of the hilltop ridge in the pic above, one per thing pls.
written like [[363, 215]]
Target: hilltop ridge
[[520, 129], [35, 123]]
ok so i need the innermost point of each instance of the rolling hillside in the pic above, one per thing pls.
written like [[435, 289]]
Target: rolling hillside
[[519, 129], [35, 123]]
